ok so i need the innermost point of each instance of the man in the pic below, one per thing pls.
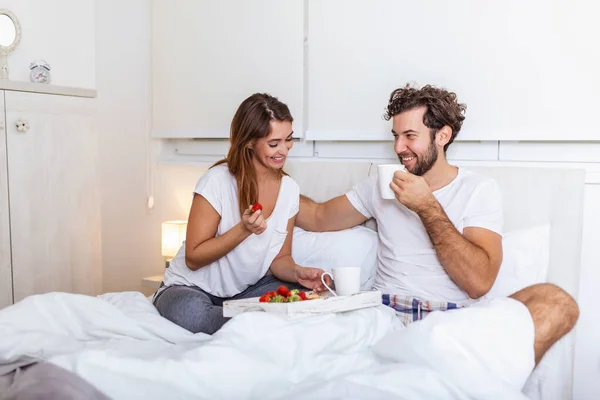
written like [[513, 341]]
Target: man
[[440, 239]]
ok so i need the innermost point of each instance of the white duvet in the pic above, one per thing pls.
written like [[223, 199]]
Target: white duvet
[[120, 344]]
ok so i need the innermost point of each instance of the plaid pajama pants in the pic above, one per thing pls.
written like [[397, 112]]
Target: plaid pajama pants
[[410, 309]]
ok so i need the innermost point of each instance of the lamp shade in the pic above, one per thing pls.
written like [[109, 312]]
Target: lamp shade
[[173, 235]]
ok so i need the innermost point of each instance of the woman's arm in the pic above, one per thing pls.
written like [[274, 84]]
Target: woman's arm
[[202, 247], [285, 269]]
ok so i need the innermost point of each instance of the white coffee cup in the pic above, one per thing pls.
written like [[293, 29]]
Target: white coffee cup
[[386, 174], [347, 280]]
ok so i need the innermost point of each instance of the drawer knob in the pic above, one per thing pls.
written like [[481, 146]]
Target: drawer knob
[[22, 126]]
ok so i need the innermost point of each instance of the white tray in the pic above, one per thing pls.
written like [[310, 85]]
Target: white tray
[[326, 305]]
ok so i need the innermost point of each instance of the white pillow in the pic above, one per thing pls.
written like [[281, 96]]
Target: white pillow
[[350, 247], [525, 262]]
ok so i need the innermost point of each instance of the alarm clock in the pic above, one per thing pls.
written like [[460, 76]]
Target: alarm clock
[[40, 72]]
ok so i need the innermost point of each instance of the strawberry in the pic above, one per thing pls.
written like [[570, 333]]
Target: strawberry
[[255, 207], [302, 296], [264, 298], [283, 291]]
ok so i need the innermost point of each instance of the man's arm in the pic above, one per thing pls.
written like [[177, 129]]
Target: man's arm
[[333, 215], [472, 260]]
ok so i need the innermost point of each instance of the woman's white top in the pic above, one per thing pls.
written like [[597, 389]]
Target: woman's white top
[[251, 259]]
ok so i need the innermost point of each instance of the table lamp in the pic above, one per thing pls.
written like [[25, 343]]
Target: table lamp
[[173, 235]]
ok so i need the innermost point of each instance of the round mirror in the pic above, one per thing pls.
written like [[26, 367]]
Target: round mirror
[[10, 35], [8, 31]]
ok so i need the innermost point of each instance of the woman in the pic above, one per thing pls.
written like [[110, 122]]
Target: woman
[[233, 251]]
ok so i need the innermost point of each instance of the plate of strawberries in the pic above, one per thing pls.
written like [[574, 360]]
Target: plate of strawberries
[[285, 295]]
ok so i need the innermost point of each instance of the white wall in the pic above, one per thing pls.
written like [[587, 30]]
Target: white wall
[[58, 31], [129, 238], [128, 156]]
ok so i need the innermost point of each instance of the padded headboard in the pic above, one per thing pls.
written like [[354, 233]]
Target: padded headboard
[[322, 181], [534, 196], [531, 196]]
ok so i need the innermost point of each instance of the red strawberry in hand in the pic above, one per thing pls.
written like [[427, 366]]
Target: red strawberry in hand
[[256, 207], [283, 291]]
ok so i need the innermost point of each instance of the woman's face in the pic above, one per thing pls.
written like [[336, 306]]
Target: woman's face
[[272, 150]]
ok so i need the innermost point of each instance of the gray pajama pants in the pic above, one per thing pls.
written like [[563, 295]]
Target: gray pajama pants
[[198, 311]]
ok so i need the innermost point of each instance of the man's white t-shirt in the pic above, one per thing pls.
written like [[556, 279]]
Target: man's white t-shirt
[[251, 259], [407, 261]]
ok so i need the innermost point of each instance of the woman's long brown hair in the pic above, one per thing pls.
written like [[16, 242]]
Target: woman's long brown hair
[[252, 121]]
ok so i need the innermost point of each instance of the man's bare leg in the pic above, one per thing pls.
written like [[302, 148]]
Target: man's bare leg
[[554, 314]]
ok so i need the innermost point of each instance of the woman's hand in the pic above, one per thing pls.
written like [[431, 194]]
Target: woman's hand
[[254, 222], [311, 278]]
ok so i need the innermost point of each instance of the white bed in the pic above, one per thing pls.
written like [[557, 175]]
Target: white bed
[[122, 346]]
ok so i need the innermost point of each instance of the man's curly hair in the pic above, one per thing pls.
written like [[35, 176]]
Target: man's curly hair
[[442, 106]]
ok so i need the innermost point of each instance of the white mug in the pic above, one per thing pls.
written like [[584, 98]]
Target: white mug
[[347, 280], [385, 175]]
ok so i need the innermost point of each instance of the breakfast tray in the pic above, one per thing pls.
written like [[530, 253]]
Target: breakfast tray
[[325, 305]]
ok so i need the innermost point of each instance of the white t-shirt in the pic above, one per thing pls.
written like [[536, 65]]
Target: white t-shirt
[[251, 259], [407, 261]]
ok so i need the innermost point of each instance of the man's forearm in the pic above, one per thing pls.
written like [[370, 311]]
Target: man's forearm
[[466, 263], [333, 215], [307, 217]]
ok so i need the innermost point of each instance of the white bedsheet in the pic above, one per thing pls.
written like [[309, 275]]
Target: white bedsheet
[[120, 344]]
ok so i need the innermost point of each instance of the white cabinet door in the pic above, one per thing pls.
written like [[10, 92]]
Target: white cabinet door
[[5, 265], [52, 150], [208, 56]]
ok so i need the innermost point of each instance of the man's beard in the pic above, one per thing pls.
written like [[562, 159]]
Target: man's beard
[[425, 161]]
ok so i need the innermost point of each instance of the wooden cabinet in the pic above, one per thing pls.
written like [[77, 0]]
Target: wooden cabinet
[[50, 237]]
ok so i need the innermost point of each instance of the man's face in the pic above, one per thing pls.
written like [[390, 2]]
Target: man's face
[[412, 142]]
